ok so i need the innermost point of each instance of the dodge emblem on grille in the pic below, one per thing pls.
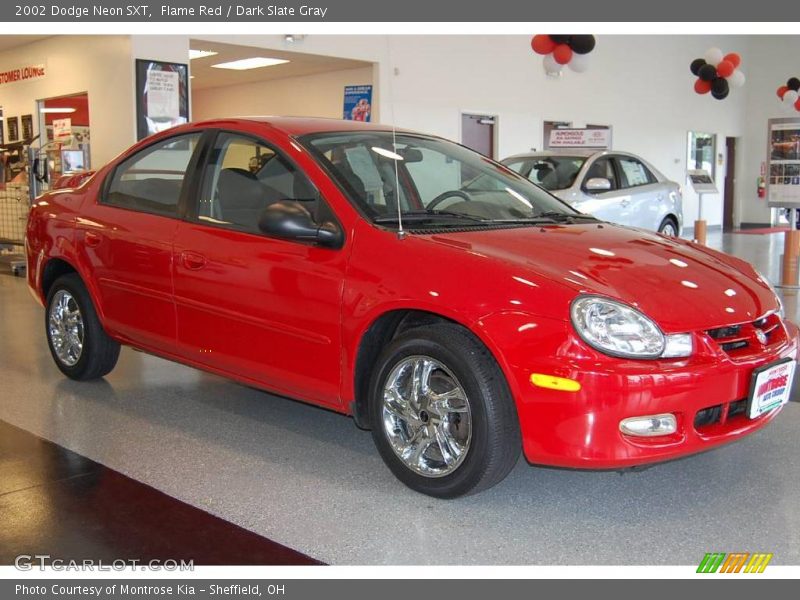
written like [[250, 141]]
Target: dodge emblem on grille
[[761, 336]]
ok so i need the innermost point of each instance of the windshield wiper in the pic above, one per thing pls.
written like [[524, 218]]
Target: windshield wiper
[[429, 215], [566, 217]]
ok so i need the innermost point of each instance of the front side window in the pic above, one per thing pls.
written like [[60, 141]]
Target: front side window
[[551, 172], [244, 177], [151, 180], [602, 168], [634, 172], [428, 178]]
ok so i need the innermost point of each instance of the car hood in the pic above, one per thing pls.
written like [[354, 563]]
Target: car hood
[[679, 284]]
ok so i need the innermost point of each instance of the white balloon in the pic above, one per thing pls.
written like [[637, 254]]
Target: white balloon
[[713, 56], [736, 79], [579, 63], [790, 97], [551, 67]]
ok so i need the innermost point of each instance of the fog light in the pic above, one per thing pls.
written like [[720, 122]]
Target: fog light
[[678, 345], [649, 425]]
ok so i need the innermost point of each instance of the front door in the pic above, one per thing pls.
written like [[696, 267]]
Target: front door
[[612, 205], [262, 308], [646, 196]]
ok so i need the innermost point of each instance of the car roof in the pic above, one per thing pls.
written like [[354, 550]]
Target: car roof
[[297, 126], [579, 152]]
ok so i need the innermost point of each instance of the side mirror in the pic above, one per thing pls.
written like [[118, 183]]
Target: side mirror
[[598, 184], [289, 220]]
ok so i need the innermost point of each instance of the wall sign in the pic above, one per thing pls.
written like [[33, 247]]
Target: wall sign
[[19, 74], [580, 138], [62, 129], [783, 163], [162, 96], [357, 103]]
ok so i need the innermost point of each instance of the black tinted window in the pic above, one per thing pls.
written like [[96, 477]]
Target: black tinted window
[[151, 180]]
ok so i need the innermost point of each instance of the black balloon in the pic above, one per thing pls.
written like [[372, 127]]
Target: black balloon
[[707, 72], [793, 84], [696, 65], [561, 39], [582, 44], [720, 88], [720, 95]]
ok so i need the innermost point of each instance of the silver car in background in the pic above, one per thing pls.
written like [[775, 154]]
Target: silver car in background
[[613, 186]]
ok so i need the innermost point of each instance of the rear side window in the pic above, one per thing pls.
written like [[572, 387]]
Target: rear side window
[[151, 180], [634, 173]]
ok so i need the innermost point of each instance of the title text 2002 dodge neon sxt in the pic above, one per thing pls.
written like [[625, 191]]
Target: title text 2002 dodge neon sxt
[[447, 303]]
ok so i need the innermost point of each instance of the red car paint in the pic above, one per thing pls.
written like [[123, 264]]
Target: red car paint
[[298, 330]]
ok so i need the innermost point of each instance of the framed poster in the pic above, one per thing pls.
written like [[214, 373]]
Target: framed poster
[[783, 163], [357, 103], [162, 96], [13, 128], [27, 127], [2, 131]]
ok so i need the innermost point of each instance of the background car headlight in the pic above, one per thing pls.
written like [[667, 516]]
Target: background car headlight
[[616, 329]]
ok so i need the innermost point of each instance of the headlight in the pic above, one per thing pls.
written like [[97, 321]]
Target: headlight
[[616, 329], [761, 276]]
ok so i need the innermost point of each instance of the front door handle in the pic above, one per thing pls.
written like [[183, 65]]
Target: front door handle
[[92, 239], [193, 261]]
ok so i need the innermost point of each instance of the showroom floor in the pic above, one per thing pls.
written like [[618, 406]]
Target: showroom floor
[[308, 479]]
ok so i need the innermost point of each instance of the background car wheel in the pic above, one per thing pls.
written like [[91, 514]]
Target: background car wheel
[[668, 227], [80, 346], [442, 416]]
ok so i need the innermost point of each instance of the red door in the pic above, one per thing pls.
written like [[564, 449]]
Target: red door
[[263, 308]]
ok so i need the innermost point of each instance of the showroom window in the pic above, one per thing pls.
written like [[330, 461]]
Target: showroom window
[[634, 173], [244, 177], [151, 180]]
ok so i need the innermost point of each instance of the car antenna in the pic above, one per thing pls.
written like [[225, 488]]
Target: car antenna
[[401, 234]]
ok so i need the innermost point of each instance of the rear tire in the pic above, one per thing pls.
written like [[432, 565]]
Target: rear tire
[[668, 227], [79, 345], [462, 412]]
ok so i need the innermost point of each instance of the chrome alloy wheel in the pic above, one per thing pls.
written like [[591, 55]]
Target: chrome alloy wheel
[[669, 230], [65, 324], [426, 416]]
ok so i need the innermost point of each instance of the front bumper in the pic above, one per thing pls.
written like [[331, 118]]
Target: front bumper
[[707, 393]]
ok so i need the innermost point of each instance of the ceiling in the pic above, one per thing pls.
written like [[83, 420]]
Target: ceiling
[[205, 76], [12, 41]]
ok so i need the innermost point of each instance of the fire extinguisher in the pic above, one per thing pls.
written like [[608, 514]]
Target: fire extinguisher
[[762, 187]]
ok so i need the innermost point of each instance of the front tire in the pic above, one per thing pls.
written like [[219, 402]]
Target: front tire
[[78, 343], [442, 416], [668, 227]]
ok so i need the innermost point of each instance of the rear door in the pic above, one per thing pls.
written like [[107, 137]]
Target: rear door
[[260, 308], [127, 239]]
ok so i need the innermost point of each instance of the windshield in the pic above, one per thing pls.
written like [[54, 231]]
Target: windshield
[[429, 177], [550, 172]]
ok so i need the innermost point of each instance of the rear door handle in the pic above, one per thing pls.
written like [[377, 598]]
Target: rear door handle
[[193, 261], [625, 201], [92, 239]]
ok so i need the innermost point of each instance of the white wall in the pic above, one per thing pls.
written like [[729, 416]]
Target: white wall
[[308, 96], [776, 57], [99, 65]]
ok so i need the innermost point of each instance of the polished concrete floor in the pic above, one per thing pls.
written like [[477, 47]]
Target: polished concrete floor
[[310, 480]]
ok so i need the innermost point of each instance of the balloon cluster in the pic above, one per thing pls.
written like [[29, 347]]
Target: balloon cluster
[[790, 93], [561, 50], [717, 73]]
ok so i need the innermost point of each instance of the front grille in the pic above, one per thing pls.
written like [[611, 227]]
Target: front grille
[[743, 340], [719, 414]]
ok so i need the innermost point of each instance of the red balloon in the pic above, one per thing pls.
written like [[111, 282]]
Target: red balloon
[[733, 58], [562, 54], [782, 90], [702, 87], [725, 68], [542, 44]]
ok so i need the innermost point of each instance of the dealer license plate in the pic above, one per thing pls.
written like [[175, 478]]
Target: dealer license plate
[[771, 387]]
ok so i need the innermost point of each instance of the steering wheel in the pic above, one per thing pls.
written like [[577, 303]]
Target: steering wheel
[[448, 194]]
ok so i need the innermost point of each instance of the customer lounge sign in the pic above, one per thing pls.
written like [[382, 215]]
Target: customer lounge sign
[[19, 74]]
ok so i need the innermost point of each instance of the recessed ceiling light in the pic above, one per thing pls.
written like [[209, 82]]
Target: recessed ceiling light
[[250, 63], [56, 109], [201, 53]]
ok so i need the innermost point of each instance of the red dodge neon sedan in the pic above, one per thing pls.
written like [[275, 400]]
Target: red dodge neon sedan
[[448, 304]]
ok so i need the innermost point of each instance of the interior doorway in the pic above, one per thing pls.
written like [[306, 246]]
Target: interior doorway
[[478, 133], [730, 184]]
